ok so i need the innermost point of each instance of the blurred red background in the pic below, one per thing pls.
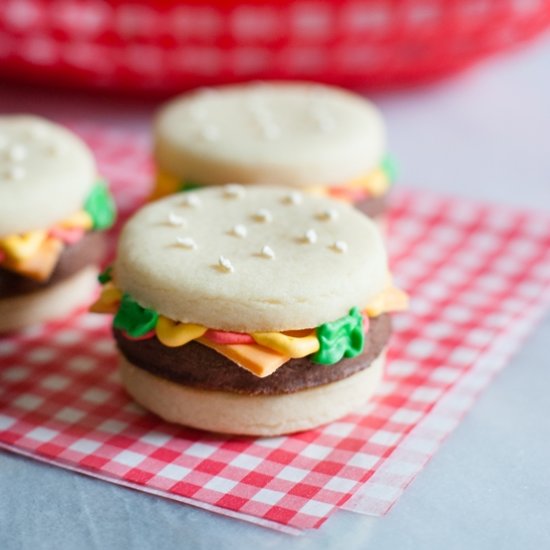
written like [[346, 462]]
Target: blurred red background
[[158, 48]]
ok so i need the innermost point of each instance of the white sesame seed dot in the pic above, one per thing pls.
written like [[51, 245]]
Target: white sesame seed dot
[[267, 252], [17, 152], [330, 214], [175, 220], [55, 149], [293, 198], [210, 133], [190, 199], [16, 173], [263, 215], [226, 264], [233, 191], [239, 230], [187, 242], [340, 246], [310, 236]]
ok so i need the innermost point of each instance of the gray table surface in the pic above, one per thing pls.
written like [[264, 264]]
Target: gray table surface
[[485, 134]]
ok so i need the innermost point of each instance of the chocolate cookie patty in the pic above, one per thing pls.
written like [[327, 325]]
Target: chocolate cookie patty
[[198, 366], [87, 251]]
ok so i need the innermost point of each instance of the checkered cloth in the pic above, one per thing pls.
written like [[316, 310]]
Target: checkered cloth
[[479, 277]]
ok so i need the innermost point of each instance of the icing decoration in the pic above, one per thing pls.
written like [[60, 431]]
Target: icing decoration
[[108, 301], [17, 152], [267, 252], [293, 198], [239, 230], [225, 337], [310, 236], [225, 264], [41, 264], [165, 184], [375, 182], [258, 360], [233, 191], [263, 216], [191, 199], [134, 319], [100, 206], [146, 336], [187, 242], [174, 334], [186, 186], [340, 246], [292, 346], [175, 220], [344, 337], [67, 235], [390, 168], [80, 220], [106, 275], [390, 299], [330, 214], [22, 247]]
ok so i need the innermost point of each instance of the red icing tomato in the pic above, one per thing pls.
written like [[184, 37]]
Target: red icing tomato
[[225, 337]]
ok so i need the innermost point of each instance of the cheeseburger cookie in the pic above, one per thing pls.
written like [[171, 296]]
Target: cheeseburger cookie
[[250, 310], [51, 205], [321, 139]]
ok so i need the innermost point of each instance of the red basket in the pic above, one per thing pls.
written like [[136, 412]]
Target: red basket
[[169, 45]]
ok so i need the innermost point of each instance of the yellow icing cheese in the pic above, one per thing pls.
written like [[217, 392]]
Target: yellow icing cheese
[[291, 346], [40, 265], [166, 184], [79, 220], [375, 182], [174, 334], [108, 301], [258, 360], [22, 247], [390, 299]]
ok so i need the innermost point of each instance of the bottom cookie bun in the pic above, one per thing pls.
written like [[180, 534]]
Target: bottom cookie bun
[[261, 415], [51, 302]]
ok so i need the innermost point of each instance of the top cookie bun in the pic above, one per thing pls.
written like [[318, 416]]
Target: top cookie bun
[[295, 134], [250, 258], [46, 173]]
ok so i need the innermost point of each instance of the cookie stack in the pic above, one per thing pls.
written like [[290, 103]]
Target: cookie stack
[[317, 139], [53, 207], [253, 310]]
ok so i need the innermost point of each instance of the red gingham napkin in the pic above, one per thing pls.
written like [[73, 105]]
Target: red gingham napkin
[[479, 277]]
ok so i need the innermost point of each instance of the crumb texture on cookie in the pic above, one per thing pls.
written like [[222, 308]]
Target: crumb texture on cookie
[[46, 173], [296, 134], [292, 268]]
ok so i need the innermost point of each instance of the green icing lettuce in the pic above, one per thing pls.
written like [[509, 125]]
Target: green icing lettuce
[[188, 186], [100, 206], [389, 166], [134, 319], [106, 275], [344, 337]]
